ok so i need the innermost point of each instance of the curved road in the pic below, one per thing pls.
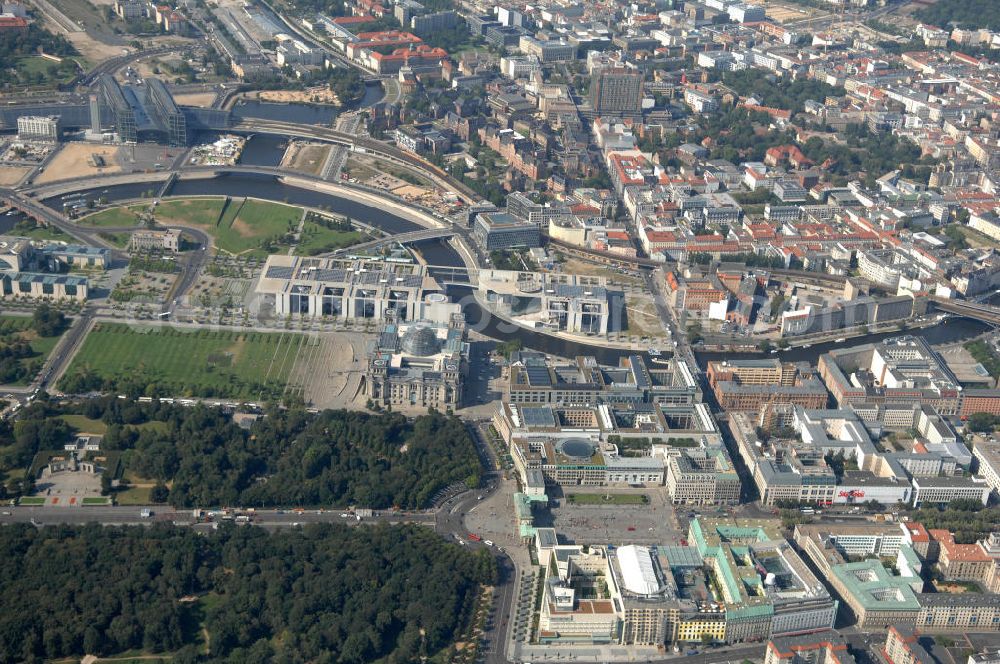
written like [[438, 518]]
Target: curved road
[[112, 65]]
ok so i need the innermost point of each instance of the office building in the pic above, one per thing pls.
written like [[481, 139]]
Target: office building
[[579, 461], [43, 128], [943, 490], [352, 288], [620, 444], [558, 302], [766, 588], [534, 379], [655, 595], [616, 91], [429, 23], [522, 206], [833, 543], [960, 562], [626, 427], [980, 400], [702, 477], [495, 231], [547, 50], [897, 370], [987, 456], [23, 265], [794, 466], [165, 112], [56, 257], [130, 10], [519, 66], [877, 597], [122, 114]]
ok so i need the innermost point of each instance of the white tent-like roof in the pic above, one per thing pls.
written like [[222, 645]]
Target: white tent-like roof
[[638, 574]]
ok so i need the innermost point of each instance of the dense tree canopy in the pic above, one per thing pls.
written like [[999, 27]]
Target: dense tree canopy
[[326, 593], [14, 43], [289, 457], [961, 13], [48, 322], [779, 92], [861, 151]]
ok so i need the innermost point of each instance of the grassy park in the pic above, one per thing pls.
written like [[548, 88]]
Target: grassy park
[[113, 217], [317, 240], [238, 226], [177, 362]]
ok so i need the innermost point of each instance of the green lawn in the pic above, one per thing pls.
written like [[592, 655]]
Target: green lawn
[[96, 500], [30, 229], [18, 328], [240, 226], [31, 500], [607, 499], [119, 240], [82, 424], [113, 217], [183, 362], [36, 65], [317, 239], [202, 212], [243, 229], [137, 495]]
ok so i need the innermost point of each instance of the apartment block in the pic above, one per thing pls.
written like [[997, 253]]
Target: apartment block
[[823, 647], [902, 647], [747, 385]]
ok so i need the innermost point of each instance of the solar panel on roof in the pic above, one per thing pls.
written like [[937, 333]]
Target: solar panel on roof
[[538, 416], [538, 376], [279, 272], [330, 275], [638, 371]]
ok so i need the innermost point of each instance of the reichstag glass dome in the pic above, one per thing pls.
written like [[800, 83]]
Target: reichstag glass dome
[[420, 341]]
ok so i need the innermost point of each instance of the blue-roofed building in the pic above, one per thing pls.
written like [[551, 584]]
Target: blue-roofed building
[[76, 255], [44, 286], [23, 273]]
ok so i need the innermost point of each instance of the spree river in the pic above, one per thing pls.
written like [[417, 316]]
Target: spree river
[[438, 252]]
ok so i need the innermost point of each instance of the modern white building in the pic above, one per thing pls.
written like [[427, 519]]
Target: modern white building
[[943, 490], [352, 288], [987, 456], [44, 128], [568, 303]]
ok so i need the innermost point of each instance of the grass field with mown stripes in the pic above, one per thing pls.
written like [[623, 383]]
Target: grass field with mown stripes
[[181, 362]]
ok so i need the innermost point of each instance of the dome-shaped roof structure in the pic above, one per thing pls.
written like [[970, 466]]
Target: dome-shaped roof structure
[[576, 448], [420, 341]]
